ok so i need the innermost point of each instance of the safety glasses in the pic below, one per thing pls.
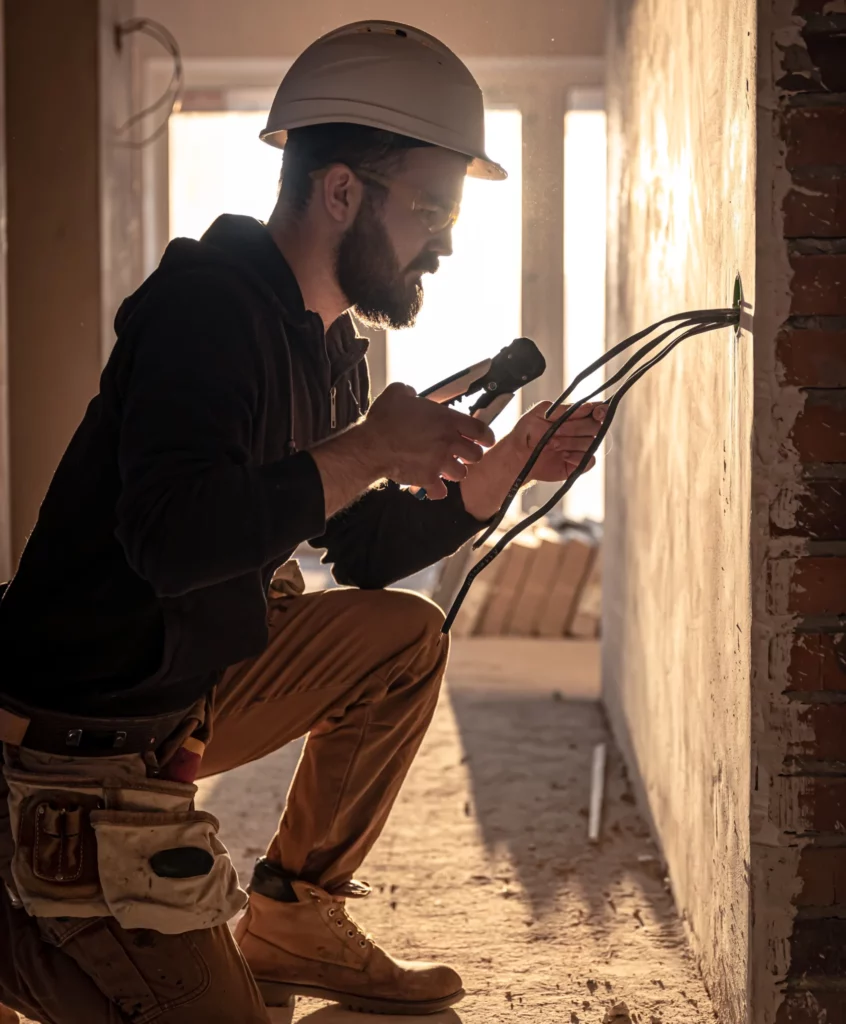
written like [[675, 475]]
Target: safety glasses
[[435, 215]]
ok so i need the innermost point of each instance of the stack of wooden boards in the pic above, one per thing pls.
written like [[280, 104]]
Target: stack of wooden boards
[[546, 583]]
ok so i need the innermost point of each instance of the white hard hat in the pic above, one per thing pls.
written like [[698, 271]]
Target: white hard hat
[[385, 75]]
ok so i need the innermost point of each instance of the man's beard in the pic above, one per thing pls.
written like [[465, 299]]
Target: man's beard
[[371, 278]]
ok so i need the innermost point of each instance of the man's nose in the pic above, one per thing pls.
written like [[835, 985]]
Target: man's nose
[[442, 242]]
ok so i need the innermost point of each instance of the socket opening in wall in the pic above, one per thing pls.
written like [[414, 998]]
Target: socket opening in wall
[[737, 301]]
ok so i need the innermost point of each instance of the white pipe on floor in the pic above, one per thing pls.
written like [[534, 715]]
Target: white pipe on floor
[[597, 787]]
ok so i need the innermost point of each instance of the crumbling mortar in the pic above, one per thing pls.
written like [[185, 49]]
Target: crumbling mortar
[[777, 484]]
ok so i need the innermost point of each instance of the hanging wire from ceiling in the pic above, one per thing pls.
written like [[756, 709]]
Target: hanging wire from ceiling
[[690, 324], [170, 97]]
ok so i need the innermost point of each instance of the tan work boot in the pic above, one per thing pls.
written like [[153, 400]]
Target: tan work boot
[[312, 947]]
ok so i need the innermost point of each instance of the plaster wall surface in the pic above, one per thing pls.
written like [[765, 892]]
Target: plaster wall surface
[[267, 29], [676, 666]]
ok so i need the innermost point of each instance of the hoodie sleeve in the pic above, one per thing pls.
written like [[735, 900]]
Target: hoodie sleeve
[[194, 509], [390, 534]]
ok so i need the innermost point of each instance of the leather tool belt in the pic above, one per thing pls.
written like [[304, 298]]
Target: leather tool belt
[[54, 732]]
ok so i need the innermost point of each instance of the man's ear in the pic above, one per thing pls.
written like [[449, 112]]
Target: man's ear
[[341, 193]]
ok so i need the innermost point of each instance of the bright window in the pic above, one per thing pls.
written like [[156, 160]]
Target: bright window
[[584, 276], [472, 305], [219, 165]]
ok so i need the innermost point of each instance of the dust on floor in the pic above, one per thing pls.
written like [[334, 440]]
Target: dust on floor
[[485, 864]]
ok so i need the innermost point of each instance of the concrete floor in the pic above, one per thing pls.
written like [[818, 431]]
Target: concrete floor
[[485, 862]]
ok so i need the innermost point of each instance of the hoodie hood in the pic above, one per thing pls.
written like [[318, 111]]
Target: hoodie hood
[[244, 247]]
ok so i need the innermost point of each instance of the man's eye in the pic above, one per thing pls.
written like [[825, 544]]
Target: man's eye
[[431, 214]]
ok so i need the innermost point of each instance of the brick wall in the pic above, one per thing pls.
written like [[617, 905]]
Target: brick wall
[[811, 356]]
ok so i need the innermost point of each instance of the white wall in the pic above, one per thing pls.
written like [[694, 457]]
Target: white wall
[[268, 28], [676, 672]]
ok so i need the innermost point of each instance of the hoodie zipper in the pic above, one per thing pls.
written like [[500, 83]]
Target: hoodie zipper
[[333, 418]]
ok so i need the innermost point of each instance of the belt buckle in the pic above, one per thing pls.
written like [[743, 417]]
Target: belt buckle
[[73, 738]]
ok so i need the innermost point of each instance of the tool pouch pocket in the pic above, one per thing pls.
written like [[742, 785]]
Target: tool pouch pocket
[[167, 871], [134, 849], [54, 865], [57, 847]]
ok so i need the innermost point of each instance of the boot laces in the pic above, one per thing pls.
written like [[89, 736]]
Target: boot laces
[[342, 920]]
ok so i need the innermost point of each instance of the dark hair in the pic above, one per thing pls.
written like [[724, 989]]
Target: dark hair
[[317, 146]]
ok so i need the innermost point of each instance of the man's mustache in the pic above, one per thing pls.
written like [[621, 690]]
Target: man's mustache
[[427, 262]]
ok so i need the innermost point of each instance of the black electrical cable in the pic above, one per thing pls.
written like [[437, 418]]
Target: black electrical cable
[[155, 30], [724, 316], [695, 314], [583, 465], [697, 322]]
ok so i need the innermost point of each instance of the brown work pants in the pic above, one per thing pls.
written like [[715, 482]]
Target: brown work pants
[[359, 671]]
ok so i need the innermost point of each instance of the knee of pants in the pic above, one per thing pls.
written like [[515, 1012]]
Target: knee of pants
[[405, 621]]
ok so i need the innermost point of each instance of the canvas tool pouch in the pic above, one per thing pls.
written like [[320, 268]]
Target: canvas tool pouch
[[94, 839], [287, 581]]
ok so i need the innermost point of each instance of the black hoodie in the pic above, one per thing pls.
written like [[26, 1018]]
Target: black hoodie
[[188, 483]]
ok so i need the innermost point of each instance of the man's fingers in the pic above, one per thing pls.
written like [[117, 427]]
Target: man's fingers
[[436, 489], [466, 451], [475, 429], [579, 436], [583, 412], [590, 410], [587, 427], [559, 467], [454, 470], [575, 461], [572, 444]]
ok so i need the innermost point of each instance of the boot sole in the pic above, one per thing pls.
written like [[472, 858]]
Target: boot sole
[[279, 993]]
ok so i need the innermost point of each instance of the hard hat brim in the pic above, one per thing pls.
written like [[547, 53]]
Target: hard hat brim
[[481, 165]]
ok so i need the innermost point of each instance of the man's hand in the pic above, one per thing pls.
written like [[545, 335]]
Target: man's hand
[[422, 443], [409, 440], [486, 484]]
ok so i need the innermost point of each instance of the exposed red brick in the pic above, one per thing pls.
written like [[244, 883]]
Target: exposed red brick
[[811, 358], [816, 209], [817, 663], [818, 587], [823, 874], [819, 431], [818, 285], [822, 804], [819, 513], [818, 948], [827, 725], [814, 136], [812, 1008], [827, 51]]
